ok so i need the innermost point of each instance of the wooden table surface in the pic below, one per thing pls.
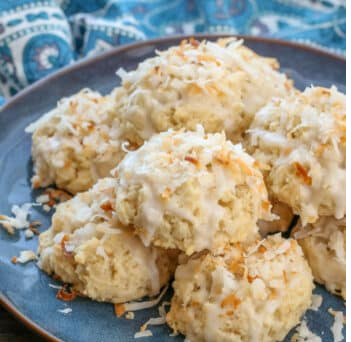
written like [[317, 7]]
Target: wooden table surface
[[13, 331]]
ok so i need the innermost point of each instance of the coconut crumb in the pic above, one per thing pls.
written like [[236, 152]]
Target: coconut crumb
[[24, 257], [153, 321], [337, 327], [28, 234], [304, 334], [130, 315], [52, 196], [135, 306], [46, 208], [19, 221], [65, 311], [56, 196], [317, 301], [146, 333]]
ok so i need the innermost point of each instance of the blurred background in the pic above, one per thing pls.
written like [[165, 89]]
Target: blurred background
[[38, 37]]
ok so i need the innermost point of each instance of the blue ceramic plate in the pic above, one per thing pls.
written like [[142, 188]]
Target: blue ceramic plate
[[24, 289]]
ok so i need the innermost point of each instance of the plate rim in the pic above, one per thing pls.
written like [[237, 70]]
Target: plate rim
[[115, 50], [4, 301]]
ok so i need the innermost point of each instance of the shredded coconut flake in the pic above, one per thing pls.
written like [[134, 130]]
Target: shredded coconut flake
[[19, 221], [135, 306], [26, 256], [130, 315], [304, 334], [43, 199], [146, 333], [153, 321], [65, 311], [337, 326], [317, 301]]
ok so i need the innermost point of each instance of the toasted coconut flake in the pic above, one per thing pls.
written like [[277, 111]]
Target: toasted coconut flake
[[34, 224], [192, 160], [195, 43], [153, 321], [119, 310], [106, 206], [66, 293], [304, 334], [57, 195], [66, 246], [44, 198], [35, 231], [26, 256], [303, 173], [231, 300], [46, 208], [19, 221]]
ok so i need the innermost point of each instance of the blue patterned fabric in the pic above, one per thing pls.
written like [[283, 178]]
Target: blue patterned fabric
[[37, 37]]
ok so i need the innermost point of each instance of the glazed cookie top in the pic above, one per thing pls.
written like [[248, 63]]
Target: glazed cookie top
[[217, 84], [77, 142], [190, 190], [86, 232], [301, 142], [242, 292]]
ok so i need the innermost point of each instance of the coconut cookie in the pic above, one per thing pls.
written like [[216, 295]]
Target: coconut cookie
[[301, 144], [243, 292], [191, 191], [76, 143], [88, 248], [324, 245], [219, 85]]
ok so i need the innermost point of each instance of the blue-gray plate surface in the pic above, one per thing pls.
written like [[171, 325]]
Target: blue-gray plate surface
[[24, 289]]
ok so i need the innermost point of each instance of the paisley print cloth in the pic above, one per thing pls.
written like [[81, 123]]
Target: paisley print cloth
[[37, 37]]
